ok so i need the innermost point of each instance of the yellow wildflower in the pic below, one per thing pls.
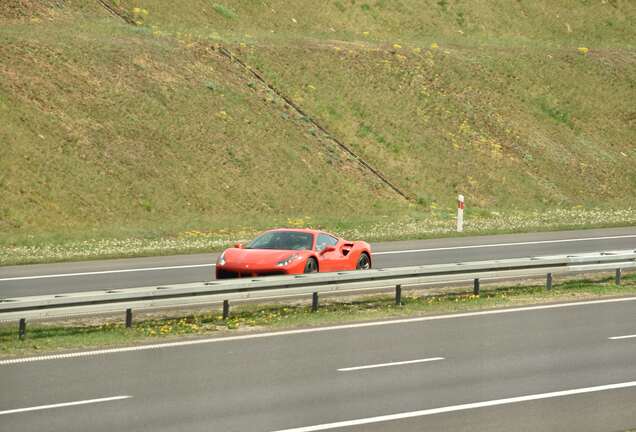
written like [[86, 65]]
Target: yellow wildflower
[[434, 46], [583, 50]]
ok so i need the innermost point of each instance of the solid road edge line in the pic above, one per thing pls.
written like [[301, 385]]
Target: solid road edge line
[[491, 245], [143, 269]]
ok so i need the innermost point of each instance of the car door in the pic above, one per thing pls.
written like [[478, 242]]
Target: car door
[[330, 257]]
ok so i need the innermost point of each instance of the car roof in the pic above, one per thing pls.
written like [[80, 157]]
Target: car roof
[[306, 230]]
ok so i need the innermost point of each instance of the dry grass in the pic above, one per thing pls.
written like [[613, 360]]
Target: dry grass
[[115, 132]]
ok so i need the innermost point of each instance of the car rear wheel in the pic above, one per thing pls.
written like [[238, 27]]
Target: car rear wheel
[[311, 266], [364, 262]]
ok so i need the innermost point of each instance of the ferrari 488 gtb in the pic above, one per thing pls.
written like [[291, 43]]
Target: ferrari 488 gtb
[[293, 251]]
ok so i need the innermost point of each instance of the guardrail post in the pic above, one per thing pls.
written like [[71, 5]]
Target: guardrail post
[[128, 318], [476, 287], [226, 309], [22, 328], [398, 295], [548, 281], [314, 302], [619, 274]]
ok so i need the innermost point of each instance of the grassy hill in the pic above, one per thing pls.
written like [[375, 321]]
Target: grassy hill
[[127, 118]]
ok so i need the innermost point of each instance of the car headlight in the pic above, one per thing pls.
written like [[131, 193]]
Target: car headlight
[[221, 260], [290, 259]]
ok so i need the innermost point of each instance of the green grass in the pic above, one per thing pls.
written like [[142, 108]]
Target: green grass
[[115, 132], [224, 11], [93, 333]]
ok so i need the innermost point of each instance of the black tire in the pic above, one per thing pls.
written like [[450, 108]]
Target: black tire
[[364, 262], [311, 266]]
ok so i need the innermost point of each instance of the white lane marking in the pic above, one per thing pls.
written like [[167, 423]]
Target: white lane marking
[[105, 272], [64, 404], [374, 253], [309, 330], [462, 407], [505, 244], [623, 337], [356, 368]]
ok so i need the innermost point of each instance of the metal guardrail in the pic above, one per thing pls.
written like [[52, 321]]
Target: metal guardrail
[[195, 294]]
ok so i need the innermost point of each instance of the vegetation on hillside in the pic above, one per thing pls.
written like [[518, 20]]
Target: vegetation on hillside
[[123, 118]]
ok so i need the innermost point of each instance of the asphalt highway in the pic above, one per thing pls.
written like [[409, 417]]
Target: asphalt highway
[[571, 367], [44, 279]]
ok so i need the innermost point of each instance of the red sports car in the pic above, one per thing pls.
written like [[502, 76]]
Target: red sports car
[[293, 251]]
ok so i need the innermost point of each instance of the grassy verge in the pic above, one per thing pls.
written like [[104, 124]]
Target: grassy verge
[[430, 223], [84, 334]]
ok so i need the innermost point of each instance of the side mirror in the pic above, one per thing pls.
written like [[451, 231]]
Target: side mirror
[[239, 245], [328, 248]]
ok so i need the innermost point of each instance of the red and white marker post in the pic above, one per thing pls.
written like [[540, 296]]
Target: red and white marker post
[[460, 213]]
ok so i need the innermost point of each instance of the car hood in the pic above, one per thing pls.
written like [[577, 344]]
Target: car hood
[[259, 257]]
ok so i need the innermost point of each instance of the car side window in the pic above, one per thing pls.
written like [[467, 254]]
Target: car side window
[[325, 240]]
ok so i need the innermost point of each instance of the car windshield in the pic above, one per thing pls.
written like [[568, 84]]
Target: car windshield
[[283, 240]]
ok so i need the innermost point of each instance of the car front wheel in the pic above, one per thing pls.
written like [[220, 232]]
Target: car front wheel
[[311, 266]]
